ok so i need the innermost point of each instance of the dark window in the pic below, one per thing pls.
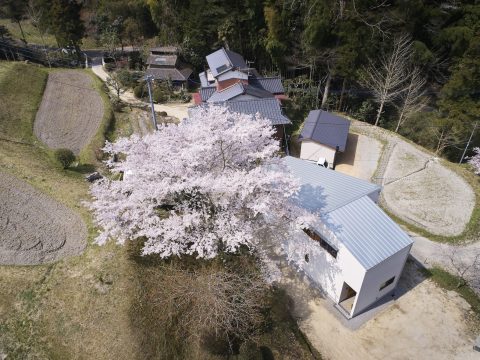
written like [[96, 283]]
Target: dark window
[[307, 259], [222, 68], [323, 243], [386, 283]]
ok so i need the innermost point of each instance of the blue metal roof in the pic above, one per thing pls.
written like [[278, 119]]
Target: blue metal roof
[[270, 84], [324, 190], [326, 128], [227, 93], [223, 60], [366, 231], [343, 205], [269, 108]]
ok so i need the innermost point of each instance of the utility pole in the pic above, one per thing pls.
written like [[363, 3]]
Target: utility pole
[[468, 143], [149, 78]]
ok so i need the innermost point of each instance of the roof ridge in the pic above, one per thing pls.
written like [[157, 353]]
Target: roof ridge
[[228, 58], [316, 121], [346, 202]]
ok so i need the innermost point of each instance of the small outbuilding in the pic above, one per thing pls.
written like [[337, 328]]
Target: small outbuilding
[[324, 135], [354, 252], [164, 64]]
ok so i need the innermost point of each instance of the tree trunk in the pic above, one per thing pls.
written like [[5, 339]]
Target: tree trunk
[[326, 90], [379, 113], [400, 119], [342, 93], [439, 142], [21, 30]]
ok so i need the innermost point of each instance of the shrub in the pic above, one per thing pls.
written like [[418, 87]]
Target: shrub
[[140, 91], [129, 79], [160, 95], [65, 157], [109, 67]]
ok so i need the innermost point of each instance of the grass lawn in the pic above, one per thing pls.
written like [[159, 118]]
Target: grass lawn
[[91, 306]]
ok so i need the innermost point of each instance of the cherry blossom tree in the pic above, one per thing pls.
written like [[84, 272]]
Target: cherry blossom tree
[[475, 160], [207, 185]]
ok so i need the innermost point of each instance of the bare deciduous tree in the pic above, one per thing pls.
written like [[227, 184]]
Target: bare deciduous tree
[[210, 301], [35, 14], [467, 269], [387, 79], [413, 98]]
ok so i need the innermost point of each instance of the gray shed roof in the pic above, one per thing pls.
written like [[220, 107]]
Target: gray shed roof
[[169, 74], [270, 84], [223, 60], [324, 190], [162, 60], [236, 90], [326, 128], [268, 108], [165, 49], [343, 205], [367, 232]]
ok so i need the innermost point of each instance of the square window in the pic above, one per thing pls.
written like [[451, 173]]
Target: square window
[[387, 283]]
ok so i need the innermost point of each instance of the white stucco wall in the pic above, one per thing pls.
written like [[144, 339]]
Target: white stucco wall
[[311, 150], [370, 291], [323, 269], [329, 273]]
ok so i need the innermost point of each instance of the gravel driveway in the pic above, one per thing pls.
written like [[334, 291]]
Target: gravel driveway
[[34, 228], [418, 188]]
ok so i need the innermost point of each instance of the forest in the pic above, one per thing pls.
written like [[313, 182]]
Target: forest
[[410, 66]]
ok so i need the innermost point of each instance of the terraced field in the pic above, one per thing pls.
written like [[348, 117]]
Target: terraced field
[[34, 228], [71, 111]]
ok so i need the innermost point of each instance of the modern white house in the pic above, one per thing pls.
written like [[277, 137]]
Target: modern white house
[[355, 253], [323, 136]]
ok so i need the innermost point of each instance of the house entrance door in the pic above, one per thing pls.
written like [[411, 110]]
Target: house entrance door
[[347, 298]]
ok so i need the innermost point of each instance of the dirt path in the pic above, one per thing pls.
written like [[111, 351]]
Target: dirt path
[[178, 110], [425, 322], [34, 228], [418, 188], [71, 111]]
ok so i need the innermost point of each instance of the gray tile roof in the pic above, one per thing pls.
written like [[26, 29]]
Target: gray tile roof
[[326, 128], [324, 190], [223, 60], [162, 60], [169, 73], [236, 90], [344, 206], [206, 92], [367, 232], [268, 108], [270, 84]]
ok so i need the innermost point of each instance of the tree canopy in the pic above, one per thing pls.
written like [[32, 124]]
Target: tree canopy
[[207, 185]]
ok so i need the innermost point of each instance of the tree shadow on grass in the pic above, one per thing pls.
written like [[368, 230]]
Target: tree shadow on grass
[[83, 168]]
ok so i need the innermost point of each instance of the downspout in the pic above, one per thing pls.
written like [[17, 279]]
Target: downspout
[[335, 157]]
